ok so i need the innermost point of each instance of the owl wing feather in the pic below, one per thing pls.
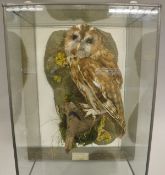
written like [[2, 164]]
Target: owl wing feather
[[105, 86], [108, 61]]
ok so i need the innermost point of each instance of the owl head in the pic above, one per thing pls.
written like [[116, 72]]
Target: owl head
[[82, 41]]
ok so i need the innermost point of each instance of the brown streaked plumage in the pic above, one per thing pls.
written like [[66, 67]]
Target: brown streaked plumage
[[95, 71]]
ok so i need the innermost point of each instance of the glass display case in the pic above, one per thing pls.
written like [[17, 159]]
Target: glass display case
[[82, 80]]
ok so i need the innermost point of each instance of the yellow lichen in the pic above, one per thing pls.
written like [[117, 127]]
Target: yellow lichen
[[103, 135], [66, 98], [60, 59], [57, 78]]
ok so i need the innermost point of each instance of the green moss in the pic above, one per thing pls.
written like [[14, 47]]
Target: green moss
[[57, 78], [87, 137], [63, 127]]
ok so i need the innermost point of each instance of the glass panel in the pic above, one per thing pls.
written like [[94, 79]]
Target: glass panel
[[51, 75]]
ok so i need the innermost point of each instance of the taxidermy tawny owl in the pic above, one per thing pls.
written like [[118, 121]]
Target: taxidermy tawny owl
[[95, 72]]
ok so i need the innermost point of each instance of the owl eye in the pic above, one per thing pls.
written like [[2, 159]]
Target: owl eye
[[74, 36], [89, 40]]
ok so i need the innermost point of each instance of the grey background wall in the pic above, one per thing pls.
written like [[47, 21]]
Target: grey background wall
[[158, 141], [7, 166]]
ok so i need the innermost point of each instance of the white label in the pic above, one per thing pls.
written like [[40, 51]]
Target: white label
[[80, 156]]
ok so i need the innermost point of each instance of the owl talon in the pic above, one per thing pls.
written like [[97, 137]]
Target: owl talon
[[91, 112]]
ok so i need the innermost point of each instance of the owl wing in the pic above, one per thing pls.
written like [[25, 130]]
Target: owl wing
[[109, 62], [105, 87]]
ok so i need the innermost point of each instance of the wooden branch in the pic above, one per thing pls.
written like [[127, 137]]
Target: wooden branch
[[75, 125]]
